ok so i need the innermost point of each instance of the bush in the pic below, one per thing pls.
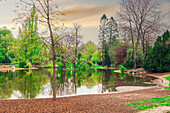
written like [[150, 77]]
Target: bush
[[112, 65], [25, 64], [120, 55], [122, 68], [129, 63], [14, 62], [6, 60]]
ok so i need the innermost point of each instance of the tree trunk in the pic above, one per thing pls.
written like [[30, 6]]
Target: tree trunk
[[75, 50], [134, 52], [74, 79], [53, 50], [103, 51], [54, 76], [64, 65]]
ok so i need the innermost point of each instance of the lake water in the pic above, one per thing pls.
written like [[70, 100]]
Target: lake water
[[38, 83]]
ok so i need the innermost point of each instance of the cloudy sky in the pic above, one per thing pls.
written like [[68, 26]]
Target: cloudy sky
[[85, 12]]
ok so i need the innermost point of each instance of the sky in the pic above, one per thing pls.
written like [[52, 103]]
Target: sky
[[87, 13]]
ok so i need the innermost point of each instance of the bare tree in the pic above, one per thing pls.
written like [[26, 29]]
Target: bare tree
[[77, 29], [142, 18], [48, 16]]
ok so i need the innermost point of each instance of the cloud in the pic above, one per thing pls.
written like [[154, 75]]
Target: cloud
[[86, 15], [165, 7], [63, 1], [91, 23]]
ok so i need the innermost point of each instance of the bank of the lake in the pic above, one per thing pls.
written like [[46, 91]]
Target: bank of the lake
[[3, 69], [105, 103]]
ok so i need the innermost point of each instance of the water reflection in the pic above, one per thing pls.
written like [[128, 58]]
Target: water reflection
[[38, 83]]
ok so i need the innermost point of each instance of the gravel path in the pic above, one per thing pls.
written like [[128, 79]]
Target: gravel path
[[102, 103]]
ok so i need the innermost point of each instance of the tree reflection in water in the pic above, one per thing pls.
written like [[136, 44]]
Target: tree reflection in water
[[38, 83]]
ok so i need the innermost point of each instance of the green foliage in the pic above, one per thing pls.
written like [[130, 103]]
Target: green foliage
[[129, 63], [122, 75], [97, 57], [90, 48], [6, 41], [14, 62], [155, 102], [122, 68], [14, 66], [112, 65], [157, 58], [25, 64], [107, 61], [28, 45]]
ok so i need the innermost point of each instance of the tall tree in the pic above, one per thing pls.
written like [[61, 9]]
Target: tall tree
[[102, 34], [48, 16], [112, 31], [112, 39], [29, 43], [77, 41], [107, 61], [142, 18]]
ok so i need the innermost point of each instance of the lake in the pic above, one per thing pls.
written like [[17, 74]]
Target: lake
[[25, 84]]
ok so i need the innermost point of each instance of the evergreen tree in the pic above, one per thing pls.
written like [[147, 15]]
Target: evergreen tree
[[106, 56], [112, 31], [108, 34], [112, 35], [103, 35], [157, 59]]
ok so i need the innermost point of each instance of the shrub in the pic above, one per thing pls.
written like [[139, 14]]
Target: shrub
[[25, 64], [129, 63], [6, 60], [14, 62], [112, 65], [122, 68], [120, 55]]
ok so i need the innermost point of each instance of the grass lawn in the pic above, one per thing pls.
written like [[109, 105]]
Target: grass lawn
[[150, 103]]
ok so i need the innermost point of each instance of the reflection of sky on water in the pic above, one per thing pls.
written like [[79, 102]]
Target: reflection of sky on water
[[94, 90], [38, 83], [16, 95], [46, 92]]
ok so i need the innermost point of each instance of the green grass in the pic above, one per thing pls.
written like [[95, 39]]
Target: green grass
[[14, 65], [168, 78], [150, 103], [98, 67]]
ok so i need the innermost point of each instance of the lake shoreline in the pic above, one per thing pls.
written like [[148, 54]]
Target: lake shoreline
[[2, 69], [114, 102]]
